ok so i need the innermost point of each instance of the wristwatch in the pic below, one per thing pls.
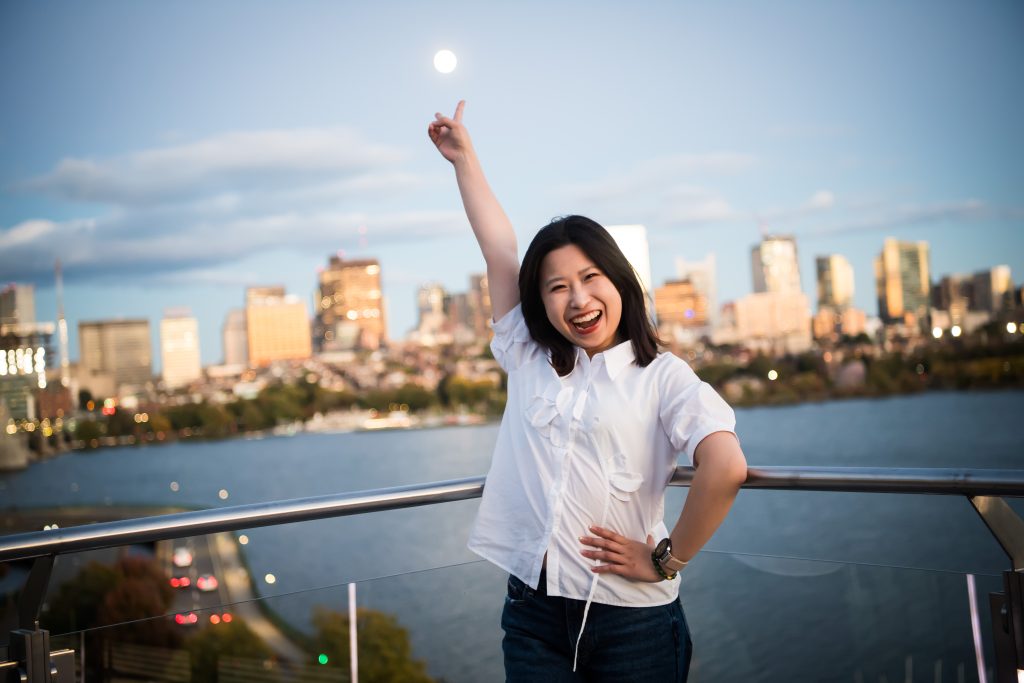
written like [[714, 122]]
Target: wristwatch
[[664, 560]]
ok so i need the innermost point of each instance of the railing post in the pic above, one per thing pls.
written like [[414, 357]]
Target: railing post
[[1007, 607], [31, 660]]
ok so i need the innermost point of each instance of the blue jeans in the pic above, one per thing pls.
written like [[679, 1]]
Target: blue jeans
[[633, 644]]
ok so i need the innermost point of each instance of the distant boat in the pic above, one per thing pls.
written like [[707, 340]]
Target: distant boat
[[396, 419]]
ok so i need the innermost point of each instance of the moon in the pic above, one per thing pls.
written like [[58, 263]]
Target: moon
[[445, 61]]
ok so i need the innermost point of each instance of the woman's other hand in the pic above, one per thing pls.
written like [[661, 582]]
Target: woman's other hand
[[449, 135], [620, 555]]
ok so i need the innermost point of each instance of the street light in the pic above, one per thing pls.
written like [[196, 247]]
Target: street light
[[1011, 327], [955, 331], [937, 332]]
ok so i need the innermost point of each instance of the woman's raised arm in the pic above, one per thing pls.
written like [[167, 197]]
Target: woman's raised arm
[[491, 226]]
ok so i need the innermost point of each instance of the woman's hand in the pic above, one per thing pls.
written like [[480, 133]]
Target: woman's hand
[[450, 136], [621, 555]]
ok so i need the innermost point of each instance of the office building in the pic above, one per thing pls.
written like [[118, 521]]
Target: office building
[[632, 241], [771, 322], [25, 356], [432, 324], [17, 304], [682, 311], [775, 265], [835, 282], [349, 306], [992, 290], [903, 283], [114, 354], [235, 338], [277, 326], [179, 348], [480, 306], [703, 276]]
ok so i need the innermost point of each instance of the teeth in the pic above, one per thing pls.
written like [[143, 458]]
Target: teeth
[[585, 318]]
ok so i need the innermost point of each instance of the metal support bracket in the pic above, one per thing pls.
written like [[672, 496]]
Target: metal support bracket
[[32, 661], [1007, 608], [30, 602], [1005, 525]]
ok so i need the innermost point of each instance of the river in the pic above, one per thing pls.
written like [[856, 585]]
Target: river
[[795, 585]]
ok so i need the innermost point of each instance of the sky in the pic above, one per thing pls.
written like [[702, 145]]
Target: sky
[[171, 154]]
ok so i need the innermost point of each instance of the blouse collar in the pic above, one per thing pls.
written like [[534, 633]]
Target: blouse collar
[[615, 359]]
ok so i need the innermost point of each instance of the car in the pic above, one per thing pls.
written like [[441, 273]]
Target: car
[[186, 619], [180, 582], [207, 583], [182, 557]]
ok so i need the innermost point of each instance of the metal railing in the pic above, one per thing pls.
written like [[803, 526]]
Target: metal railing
[[984, 488]]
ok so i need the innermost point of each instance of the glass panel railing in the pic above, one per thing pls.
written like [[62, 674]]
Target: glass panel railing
[[751, 617], [437, 624]]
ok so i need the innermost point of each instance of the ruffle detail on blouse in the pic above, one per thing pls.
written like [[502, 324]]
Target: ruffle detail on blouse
[[623, 483], [551, 413]]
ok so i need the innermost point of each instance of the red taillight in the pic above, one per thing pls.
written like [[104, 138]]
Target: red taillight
[[192, 618], [175, 583], [184, 581], [179, 618], [226, 618], [214, 619]]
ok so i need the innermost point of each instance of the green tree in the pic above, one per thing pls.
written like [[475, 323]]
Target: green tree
[[87, 430], [210, 643], [385, 654]]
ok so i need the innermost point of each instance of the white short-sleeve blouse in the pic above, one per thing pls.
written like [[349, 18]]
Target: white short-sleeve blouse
[[596, 446]]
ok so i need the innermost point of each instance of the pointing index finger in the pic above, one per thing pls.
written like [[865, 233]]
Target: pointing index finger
[[458, 110]]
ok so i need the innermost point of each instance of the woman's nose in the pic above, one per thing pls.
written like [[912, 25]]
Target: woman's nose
[[579, 297]]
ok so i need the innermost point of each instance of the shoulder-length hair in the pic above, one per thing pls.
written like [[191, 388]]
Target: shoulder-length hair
[[599, 246]]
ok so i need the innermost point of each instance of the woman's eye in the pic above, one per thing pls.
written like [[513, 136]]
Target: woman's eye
[[557, 288], [590, 276]]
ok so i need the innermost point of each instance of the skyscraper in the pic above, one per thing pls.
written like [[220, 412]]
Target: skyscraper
[[480, 305], [114, 354], [350, 306], [903, 282], [702, 275], [235, 338], [992, 289], [682, 311], [277, 326], [632, 241], [179, 348], [430, 300], [17, 304], [835, 282], [775, 265]]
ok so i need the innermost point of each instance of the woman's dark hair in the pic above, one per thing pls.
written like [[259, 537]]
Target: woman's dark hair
[[594, 241]]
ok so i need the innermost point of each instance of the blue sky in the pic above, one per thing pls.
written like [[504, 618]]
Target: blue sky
[[172, 153]]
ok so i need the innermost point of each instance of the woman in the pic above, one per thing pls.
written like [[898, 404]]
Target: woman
[[594, 423]]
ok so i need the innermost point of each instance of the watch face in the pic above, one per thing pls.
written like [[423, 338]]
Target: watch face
[[663, 548]]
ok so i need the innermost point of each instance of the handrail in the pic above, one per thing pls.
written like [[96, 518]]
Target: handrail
[[968, 482]]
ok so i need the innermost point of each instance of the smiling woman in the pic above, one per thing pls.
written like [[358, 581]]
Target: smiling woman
[[595, 421]]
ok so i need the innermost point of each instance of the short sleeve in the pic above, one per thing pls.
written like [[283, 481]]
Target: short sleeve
[[690, 408], [512, 344]]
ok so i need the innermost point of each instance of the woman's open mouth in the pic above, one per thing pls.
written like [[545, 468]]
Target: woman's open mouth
[[585, 324]]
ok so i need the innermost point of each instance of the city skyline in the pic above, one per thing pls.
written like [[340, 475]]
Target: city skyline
[[187, 185]]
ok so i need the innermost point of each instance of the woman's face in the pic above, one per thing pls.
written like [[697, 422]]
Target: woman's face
[[580, 301]]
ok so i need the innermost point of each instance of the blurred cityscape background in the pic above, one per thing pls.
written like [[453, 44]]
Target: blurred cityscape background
[[225, 220], [337, 368]]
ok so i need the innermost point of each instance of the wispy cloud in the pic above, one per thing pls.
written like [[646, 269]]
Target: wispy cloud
[[656, 176], [897, 216], [240, 160], [109, 247], [201, 204]]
